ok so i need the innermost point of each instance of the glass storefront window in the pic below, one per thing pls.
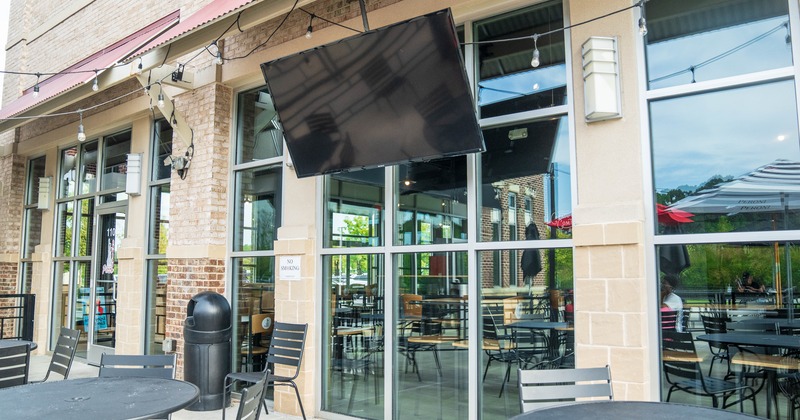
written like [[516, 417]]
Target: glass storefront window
[[159, 219], [162, 149], [690, 42], [260, 133], [68, 172], [258, 205], [354, 353], [734, 175], [525, 178], [254, 295], [431, 357], [66, 225], [88, 168], [354, 209], [115, 160], [526, 320], [508, 83], [155, 330], [432, 202]]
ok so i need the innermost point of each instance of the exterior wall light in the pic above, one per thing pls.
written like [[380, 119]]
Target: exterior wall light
[[44, 193], [601, 79], [133, 177]]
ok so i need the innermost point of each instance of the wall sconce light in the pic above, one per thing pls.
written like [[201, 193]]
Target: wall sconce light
[[601, 79], [44, 193], [133, 177]]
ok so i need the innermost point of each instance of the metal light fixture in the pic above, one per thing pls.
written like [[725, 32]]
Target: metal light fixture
[[133, 176], [601, 79], [44, 193]]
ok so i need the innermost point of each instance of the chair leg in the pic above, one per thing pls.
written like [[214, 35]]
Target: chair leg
[[488, 362], [300, 401]]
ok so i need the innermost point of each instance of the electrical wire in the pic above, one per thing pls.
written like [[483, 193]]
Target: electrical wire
[[331, 22]]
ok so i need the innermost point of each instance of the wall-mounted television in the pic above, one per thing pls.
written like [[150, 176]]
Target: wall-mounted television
[[391, 95]]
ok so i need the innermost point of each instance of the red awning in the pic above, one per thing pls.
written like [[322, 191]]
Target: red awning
[[210, 13], [107, 57]]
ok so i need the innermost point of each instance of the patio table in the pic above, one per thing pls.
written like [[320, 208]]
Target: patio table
[[98, 398], [13, 342], [615, 410]]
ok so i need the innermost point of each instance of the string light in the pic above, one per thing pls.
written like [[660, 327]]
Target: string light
[[95, 86], [219, 60], [535, 59], [139, 67], [81, 132], [310, 27], [160, 96], [36, 86]]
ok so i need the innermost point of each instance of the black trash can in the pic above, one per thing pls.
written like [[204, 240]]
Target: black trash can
[[207, 348]]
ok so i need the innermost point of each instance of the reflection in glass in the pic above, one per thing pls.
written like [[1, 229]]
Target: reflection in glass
[[258, 195], [35, 171], [81, 298], [353, 359], [736, 174], [115, 160], [525, 178], [163, 149], [432, 202], [85, 227], [508, 82], [88, 168], [712, 298], [354, 211], [66, 225], [431, 356], [159, 214], [68, 173], [155, 326], [33, 231], [523, 324], [260, 133], [691, 42], [253, 294]]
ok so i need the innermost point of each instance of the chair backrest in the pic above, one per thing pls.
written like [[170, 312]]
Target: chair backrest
[[14, 364], [150, 365], [64, 353], [714, 324], [683, 361], [257, 324], [250, 401], [411, 309], [286, 346], [542, 388], [669, 319]]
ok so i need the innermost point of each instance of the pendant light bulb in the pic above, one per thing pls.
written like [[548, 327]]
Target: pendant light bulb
[[139, 67], [36, 86], [160, 100], [535, 57], [81, 132], [219, 60], [95, 85], [642, 26], [309, 31]]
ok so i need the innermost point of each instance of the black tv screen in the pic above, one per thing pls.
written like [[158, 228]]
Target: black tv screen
[[387, 96]]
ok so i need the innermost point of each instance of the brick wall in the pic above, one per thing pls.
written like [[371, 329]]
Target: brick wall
[[12, 172], [8, 281]]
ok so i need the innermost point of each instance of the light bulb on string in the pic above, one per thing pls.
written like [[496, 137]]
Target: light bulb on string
[[139, 67], [535, 58], [310, 28], [95, 86], [81, 132], [642, 26], [219, 59], [160, 96], [36, 86]]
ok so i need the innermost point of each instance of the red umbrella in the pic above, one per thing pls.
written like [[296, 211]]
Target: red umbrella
[[669, 216], [666, 216], [564, 223]]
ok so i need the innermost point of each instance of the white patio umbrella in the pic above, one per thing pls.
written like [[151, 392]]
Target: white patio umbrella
[[772, 188]]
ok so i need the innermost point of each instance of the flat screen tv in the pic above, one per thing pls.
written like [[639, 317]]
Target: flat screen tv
[[391, 95]]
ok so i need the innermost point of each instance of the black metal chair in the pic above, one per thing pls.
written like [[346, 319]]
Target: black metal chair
[[14, 365], [63, 354], [250, 403], [543, 388], [683, 373], [285, 349], [149, 365], [720, 351]]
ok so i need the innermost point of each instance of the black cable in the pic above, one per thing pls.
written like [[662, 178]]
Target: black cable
[[331, 22], [270, 35]]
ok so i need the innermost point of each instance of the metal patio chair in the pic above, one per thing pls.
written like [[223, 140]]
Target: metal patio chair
[[63, 354], [543, 388]]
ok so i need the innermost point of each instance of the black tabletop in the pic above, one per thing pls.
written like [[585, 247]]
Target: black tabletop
[[746, 339], [617, 410], [10, 343], [97, 398]]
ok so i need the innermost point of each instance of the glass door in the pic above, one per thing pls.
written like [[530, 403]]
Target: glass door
[[103, 288]]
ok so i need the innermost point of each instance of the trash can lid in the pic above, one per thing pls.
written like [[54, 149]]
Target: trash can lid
[[208, 311]]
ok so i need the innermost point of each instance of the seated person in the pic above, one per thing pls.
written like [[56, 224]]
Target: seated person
[[749, 285], [671, 302]]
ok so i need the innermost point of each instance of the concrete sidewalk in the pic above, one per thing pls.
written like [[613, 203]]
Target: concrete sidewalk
[[40, 363]]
